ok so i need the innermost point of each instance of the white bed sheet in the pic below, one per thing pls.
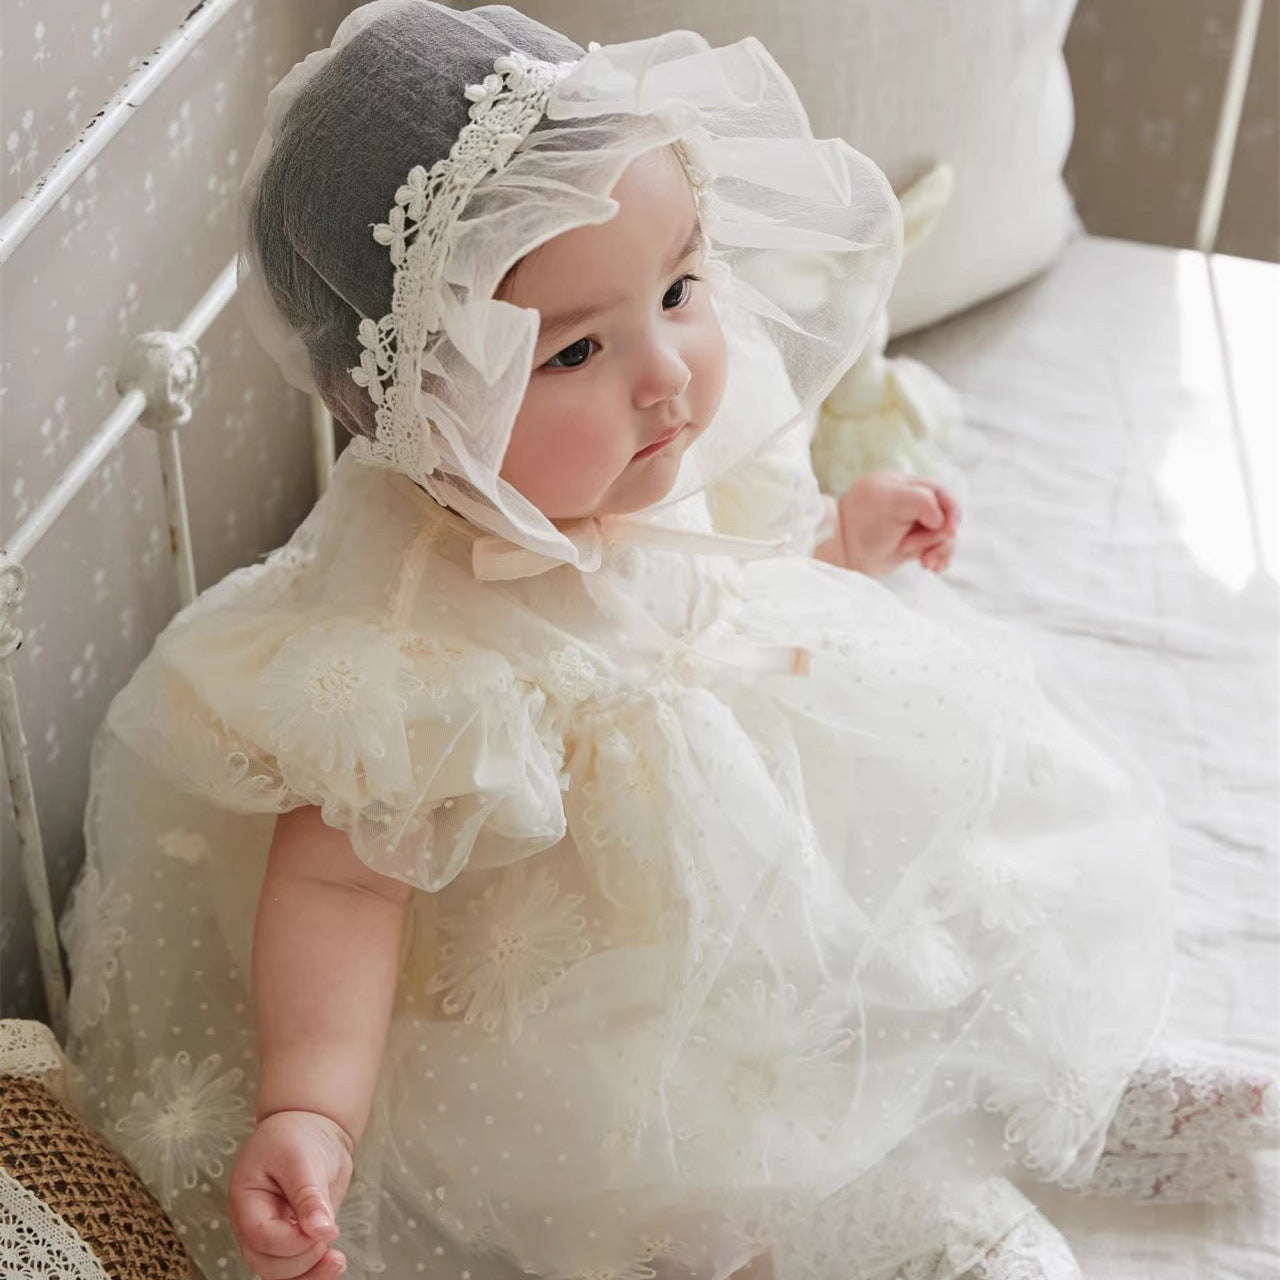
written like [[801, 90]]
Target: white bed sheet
[[1112, 504]]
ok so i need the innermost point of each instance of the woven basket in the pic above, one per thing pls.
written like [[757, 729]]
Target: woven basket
[[67, 1199]]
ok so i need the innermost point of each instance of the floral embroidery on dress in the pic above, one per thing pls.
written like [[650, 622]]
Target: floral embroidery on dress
[[664, 1245], [219, 770], [435, 666], [1008, 893], [357, 1221], [638, 1269], [186, 846], [93, 933], [774, 1056], [337, 693], [921, 958], [773, 1059], [505, 950], [573, 677], [1051, 1105], [183, 1128], [621, 798]]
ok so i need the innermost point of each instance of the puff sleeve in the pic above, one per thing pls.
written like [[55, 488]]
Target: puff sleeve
[[430, 758]]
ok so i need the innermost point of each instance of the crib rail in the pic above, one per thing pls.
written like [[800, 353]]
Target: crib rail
[[161, 372], [45, 192]]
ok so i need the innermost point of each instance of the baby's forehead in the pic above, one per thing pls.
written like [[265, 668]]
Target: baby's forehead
[[654, 227]]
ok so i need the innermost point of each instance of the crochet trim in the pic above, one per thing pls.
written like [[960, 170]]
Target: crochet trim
[[505, 108]]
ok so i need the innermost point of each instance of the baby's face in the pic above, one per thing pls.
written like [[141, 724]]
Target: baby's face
[[630, 363]]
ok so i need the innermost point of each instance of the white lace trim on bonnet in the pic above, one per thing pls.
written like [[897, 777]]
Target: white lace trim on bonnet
[[803, 242]]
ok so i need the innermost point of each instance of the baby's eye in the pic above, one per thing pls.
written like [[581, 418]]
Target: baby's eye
[[569, 351], [576, 355], [685, 285]]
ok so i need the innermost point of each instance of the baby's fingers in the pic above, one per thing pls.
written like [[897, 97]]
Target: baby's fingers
[[328, 1266], [918, 503], [938, 557], [272, 1242], [918, 540], [319, 1262], [949, 506]]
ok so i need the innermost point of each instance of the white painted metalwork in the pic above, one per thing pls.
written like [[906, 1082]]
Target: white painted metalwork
[[131, 409], [13, 746], [45, 192], [322, 435], [157, 380], [1224, 142], [1215, 190]]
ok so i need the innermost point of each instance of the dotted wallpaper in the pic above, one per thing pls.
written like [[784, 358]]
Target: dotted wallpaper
[[1148, 78], [130, 247]]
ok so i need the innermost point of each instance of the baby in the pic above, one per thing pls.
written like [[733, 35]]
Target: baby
[[602, 429], [631, 885]]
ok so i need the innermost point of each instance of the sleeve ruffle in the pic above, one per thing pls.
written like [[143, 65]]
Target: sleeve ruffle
[[429, 758]]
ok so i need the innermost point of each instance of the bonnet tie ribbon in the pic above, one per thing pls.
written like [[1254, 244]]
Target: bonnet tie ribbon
[[494, 558]]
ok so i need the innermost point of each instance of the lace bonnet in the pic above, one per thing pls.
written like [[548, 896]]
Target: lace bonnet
[[406, 167]]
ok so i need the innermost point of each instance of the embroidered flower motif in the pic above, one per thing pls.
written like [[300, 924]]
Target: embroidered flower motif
[[664, 1245], [506, 949], [357, 1220], [635, 1270], [377, 357], [183, 1128], [413, 194], [1008, 892], [392, 232], [435, 665], [187, 846], [206, 760], [572, 675], [1052, 1105], [337, 694], [621, 796], [93, 933], [920, 958], [773, 1057], [775, 1076]]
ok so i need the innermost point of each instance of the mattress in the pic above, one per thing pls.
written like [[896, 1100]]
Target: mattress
[[1118, 477]]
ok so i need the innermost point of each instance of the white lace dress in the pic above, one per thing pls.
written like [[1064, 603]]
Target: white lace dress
[[755, 907]]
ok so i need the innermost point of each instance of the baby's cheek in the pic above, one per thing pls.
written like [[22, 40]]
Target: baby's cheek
[[562, 455], [590, 459], [712, 372]]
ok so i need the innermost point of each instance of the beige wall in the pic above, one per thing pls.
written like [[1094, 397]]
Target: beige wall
[[1148, 78]]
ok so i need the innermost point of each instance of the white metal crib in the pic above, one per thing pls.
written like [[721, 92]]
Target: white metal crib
[[159, 376]]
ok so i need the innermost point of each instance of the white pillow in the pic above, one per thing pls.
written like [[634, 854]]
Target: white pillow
[[981, 86]]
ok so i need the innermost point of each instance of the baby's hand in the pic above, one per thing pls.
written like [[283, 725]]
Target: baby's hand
[[289, 1176], [887, 518]]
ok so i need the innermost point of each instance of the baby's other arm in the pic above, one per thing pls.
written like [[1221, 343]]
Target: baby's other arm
[[325, 954], [887, 518]]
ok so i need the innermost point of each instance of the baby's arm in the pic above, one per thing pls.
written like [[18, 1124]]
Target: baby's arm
[[887, 518], [325, 953]]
